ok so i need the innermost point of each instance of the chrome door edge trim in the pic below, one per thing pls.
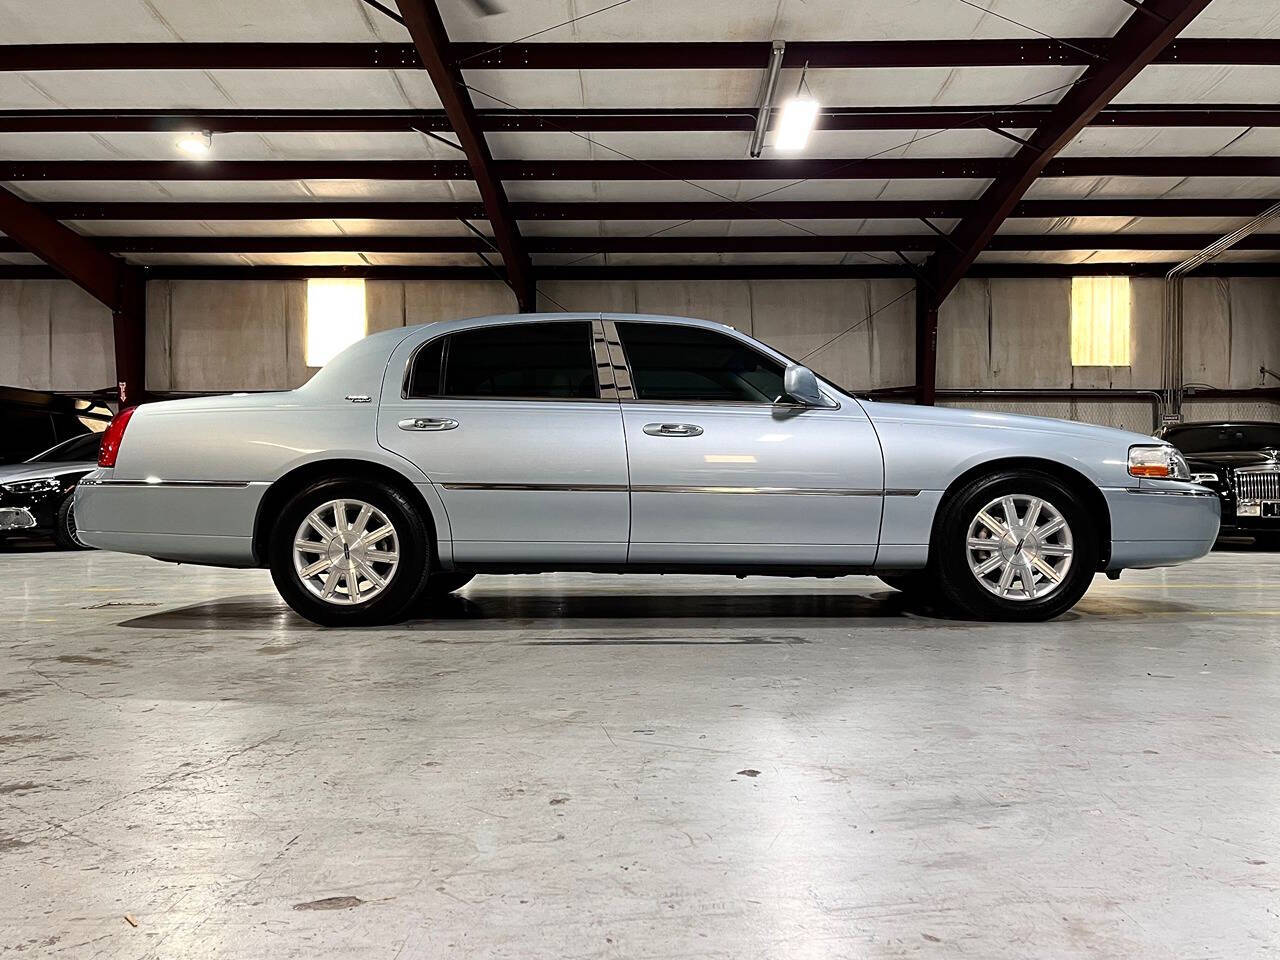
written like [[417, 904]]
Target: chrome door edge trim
[[784, 491], [676, 488], [541, 487], [1145, 492], [164, 483]]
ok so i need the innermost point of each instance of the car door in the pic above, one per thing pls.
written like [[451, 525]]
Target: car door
[[508, 422], [721, 473]]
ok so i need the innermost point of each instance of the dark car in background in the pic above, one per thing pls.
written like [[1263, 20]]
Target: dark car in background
[[1241, 461], [38, 496]]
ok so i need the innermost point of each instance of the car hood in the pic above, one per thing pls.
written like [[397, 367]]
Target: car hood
[[1236, 458], [956, 416], [13, 472]]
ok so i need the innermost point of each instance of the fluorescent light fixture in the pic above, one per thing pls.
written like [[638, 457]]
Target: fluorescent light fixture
[[196, 144], [799, 114], [335, 317]]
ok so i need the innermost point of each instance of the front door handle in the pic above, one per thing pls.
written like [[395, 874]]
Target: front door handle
[[428, 424], [673, 429]]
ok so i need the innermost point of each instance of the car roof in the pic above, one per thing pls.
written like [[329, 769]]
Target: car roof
[[497, 319]]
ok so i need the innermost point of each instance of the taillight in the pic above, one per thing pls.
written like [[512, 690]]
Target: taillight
[[112, 437]]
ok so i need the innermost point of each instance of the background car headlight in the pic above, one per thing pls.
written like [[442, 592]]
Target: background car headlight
[[1164, 462], [43, 485]]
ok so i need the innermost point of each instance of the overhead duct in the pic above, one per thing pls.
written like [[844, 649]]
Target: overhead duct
[[767, 89], [1172, 373]]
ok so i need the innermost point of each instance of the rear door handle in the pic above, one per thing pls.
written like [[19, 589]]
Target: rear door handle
[[673, 429], [428, 424]]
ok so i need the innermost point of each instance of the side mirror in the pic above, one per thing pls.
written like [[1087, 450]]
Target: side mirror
[[801, 386]]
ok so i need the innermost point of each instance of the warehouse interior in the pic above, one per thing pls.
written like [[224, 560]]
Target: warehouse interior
[[577, 764]]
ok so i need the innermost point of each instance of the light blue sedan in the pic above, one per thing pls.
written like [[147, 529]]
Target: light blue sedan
[[424, 455]]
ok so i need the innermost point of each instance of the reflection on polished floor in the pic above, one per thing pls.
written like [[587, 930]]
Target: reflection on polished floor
[[583, 766]]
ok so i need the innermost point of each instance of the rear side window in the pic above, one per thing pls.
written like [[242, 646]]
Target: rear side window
[[527, 360], [671, 362]]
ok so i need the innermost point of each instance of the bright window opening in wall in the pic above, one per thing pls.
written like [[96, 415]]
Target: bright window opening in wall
[[1100, 321], [335, 317]]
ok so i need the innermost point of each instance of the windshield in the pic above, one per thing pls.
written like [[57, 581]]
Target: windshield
[[81, 449], [1224, 437]]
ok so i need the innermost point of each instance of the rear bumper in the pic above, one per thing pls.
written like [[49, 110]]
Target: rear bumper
[[182, 521], [1158, 527]]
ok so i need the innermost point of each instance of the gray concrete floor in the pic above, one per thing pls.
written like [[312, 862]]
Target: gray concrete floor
[[578, 766]]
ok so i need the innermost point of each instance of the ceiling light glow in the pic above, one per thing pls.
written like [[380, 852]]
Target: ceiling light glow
[[799, 114], [196, 144]]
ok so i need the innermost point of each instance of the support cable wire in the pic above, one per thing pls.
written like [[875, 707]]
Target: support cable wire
[[537, 33], [1097, 58]]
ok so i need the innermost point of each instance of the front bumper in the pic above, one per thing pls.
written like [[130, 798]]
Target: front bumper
[[16, 519], [1160, 524]]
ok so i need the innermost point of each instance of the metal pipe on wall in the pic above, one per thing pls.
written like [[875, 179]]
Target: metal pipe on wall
[[1171, 370]]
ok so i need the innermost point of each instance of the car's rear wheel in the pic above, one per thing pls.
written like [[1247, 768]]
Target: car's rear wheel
[[350, 553], [64, 525], [1017, 545]]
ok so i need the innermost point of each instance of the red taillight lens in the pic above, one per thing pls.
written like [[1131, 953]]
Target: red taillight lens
[[112, 437]]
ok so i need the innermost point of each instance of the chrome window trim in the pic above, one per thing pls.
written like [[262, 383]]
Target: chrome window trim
[[444, 359]]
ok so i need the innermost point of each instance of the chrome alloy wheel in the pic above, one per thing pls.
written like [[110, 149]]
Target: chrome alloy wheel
[[1019, 547], [346, 552]]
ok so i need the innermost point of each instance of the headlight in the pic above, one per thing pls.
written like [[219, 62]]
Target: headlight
[[1164, 462], [43, 485]]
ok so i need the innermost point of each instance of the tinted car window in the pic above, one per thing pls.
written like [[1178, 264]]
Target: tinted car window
[[671, 362], [424, 379], [543, 360], [1224, 437], [76, 450]]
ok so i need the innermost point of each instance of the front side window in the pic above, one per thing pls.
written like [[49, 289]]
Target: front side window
[[671, 362], [527, 360]]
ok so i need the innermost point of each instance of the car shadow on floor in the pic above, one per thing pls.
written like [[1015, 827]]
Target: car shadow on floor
[[485, 611]]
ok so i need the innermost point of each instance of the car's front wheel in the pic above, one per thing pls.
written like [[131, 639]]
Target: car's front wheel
[[1017, 545], [350, 553]]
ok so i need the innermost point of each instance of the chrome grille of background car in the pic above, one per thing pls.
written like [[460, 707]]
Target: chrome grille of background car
[[1258, 484]]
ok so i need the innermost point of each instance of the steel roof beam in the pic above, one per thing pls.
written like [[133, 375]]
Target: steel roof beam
[[788, 243], [1079, 51], [106, 278], [1140, 41], [659, 271], [1009, 171], [690, 119], [637, 210], [422, 19]]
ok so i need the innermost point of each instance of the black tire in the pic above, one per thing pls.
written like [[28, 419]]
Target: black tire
[[64, 526], [407, 582], [961, 587]]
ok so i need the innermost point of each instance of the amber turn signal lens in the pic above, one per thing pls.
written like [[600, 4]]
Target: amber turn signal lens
[[1149, 470]]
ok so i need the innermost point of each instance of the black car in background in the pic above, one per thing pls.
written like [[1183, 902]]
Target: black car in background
[[38, 496], [35, 420], [1241, 461]]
